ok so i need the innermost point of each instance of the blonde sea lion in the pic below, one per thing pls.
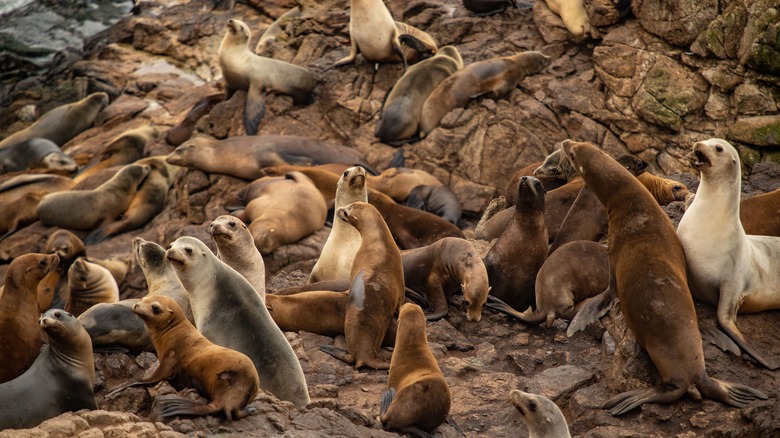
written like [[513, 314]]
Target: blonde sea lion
[[398, 182], [574, 17], [727, 267], [664, 190], [647, 272], [89, 284], [543, 417], [417, 396], [236, 247], [335, 261], [61, 379], [243, 70], [53, 289], [493, 77]]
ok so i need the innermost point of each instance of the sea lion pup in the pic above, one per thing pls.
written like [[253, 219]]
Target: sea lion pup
[[236, 247], [417, 396], [335, 261], [19, 213], [727, 267], [400, 117], [574, 17], [114, 325], [243, 70], [398, 182], [229, 312], [285, 212], [63, 122], [574, 272], [376, 290], [61, 379], [543, 417], [226, 377], [35, 153], [124, 149], [494, 77], [106, 203], [515, 259], [183, 130], [412, 228], [443, 268], [53, 289], [647, 272], [269, 36], [245, 156], [20, 336], [761, 214], [374, 33], [439, 200], [148, 201], [89, 284]]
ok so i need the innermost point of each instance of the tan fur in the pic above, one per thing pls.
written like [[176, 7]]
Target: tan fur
[[397, 182], [89, 284]]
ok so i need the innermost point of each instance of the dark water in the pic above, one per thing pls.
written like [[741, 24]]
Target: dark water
[[32, 31]]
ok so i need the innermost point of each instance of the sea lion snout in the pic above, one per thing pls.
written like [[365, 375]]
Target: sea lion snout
[[700, 158]]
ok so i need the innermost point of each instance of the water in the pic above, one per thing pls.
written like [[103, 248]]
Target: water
[[33, 31]]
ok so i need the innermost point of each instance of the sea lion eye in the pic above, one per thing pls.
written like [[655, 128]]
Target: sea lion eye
[[346, 173], [532, 406], [57, 315], [42, 263], [677, 188], [719, 148], [188, 251], [232, 224], [156, 309]]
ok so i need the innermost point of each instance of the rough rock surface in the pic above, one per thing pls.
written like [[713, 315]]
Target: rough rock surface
[[638, 90]]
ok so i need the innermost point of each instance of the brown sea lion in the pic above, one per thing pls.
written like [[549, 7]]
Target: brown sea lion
[[61, 379], [323, 178], [398, 182], [183, 130], [89, 284], [236, 247], [63, 122], [439, 200], [35, 153], [515, 259], [124, 149], [543, 417], [417, 396], [648, 274], [493, 77], [226, 377], [53, 289], [726, 267], [664, 190], [412, 228], [549, 183], [377, 288], [760, 214], [227, 308], [245, 156], [335, 261], [400, 117], [20, 335], [443, 268], [19, 213], [243, 70], [106, 203], [18, 186]]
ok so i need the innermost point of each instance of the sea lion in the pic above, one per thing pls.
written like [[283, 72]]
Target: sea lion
[[285, 212], [106, 203], [574, 272], [183, 130], [244, 156], [114, 325], [61, 379], [543, 417], [53, 289], [124, 149], [322, 176], [487, 7], [236, 247], [243, 70], [377, 287], [374, 33], [335, 261], [439, 200], [443, 268], [574, 17], [89, 284], [398, 182], [275, 29], [226, 377], [727, 267], [493, 77], [148, 201], [20, 185], [19, 213], [400, 117], [548, 183], [647, 272], [20, 336], [412, 228], [761, 214], [61, 123], [664, 190], [35, 153], [417, 396], [230, 313], [515, 259]]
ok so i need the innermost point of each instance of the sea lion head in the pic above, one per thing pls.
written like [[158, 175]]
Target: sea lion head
[[57, 323], [134, 173], [679, 190], [59, 161], [31, 268], [237, 32], [579, 154], [410, 314], [190, 152], [530, 191], [80, 272], [556, 165], [541, 414], [451, 52], [227, 228], [150, 256], [65, 244], [533, 61], [354, 213], [100, 99], [633, 164], [351, 186], [158, 311], [716, 158], [475, 286], [186, 254]]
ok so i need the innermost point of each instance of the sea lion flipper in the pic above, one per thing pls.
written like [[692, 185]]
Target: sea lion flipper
[[385, 399], [592, 309], [528, 316], [353, 51], [728, 327], [96, 236], [417, 297], [338, 353], [625, 402], [254, 109], [716, 337], [451, 422]]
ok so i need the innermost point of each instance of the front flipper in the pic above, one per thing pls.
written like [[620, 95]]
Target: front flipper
[[338, 353], [254, 109]]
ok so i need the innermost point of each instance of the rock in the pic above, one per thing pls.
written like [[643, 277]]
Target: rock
[[759, 47], [757, 131], [559, 383], [443, 332], [678, 22], [604, 12], [754, 99]]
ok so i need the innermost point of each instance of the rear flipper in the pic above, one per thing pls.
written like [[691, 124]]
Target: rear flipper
[[451, 422], [534, 318], [338, 353], [172, 404], [417, 298], [622, 403], [592, 309], [416, 44], [733, 394], [97, 236], [719, 339], [109, 349]]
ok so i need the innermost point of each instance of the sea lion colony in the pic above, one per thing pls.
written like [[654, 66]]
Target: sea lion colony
[[112, 189]]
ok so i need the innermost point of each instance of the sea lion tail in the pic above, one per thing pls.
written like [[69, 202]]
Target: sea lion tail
[[733, 394]]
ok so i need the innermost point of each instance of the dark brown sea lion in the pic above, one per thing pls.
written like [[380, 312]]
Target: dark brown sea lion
[[53, 289], [760, 215], [412, 228], [124, 149]]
